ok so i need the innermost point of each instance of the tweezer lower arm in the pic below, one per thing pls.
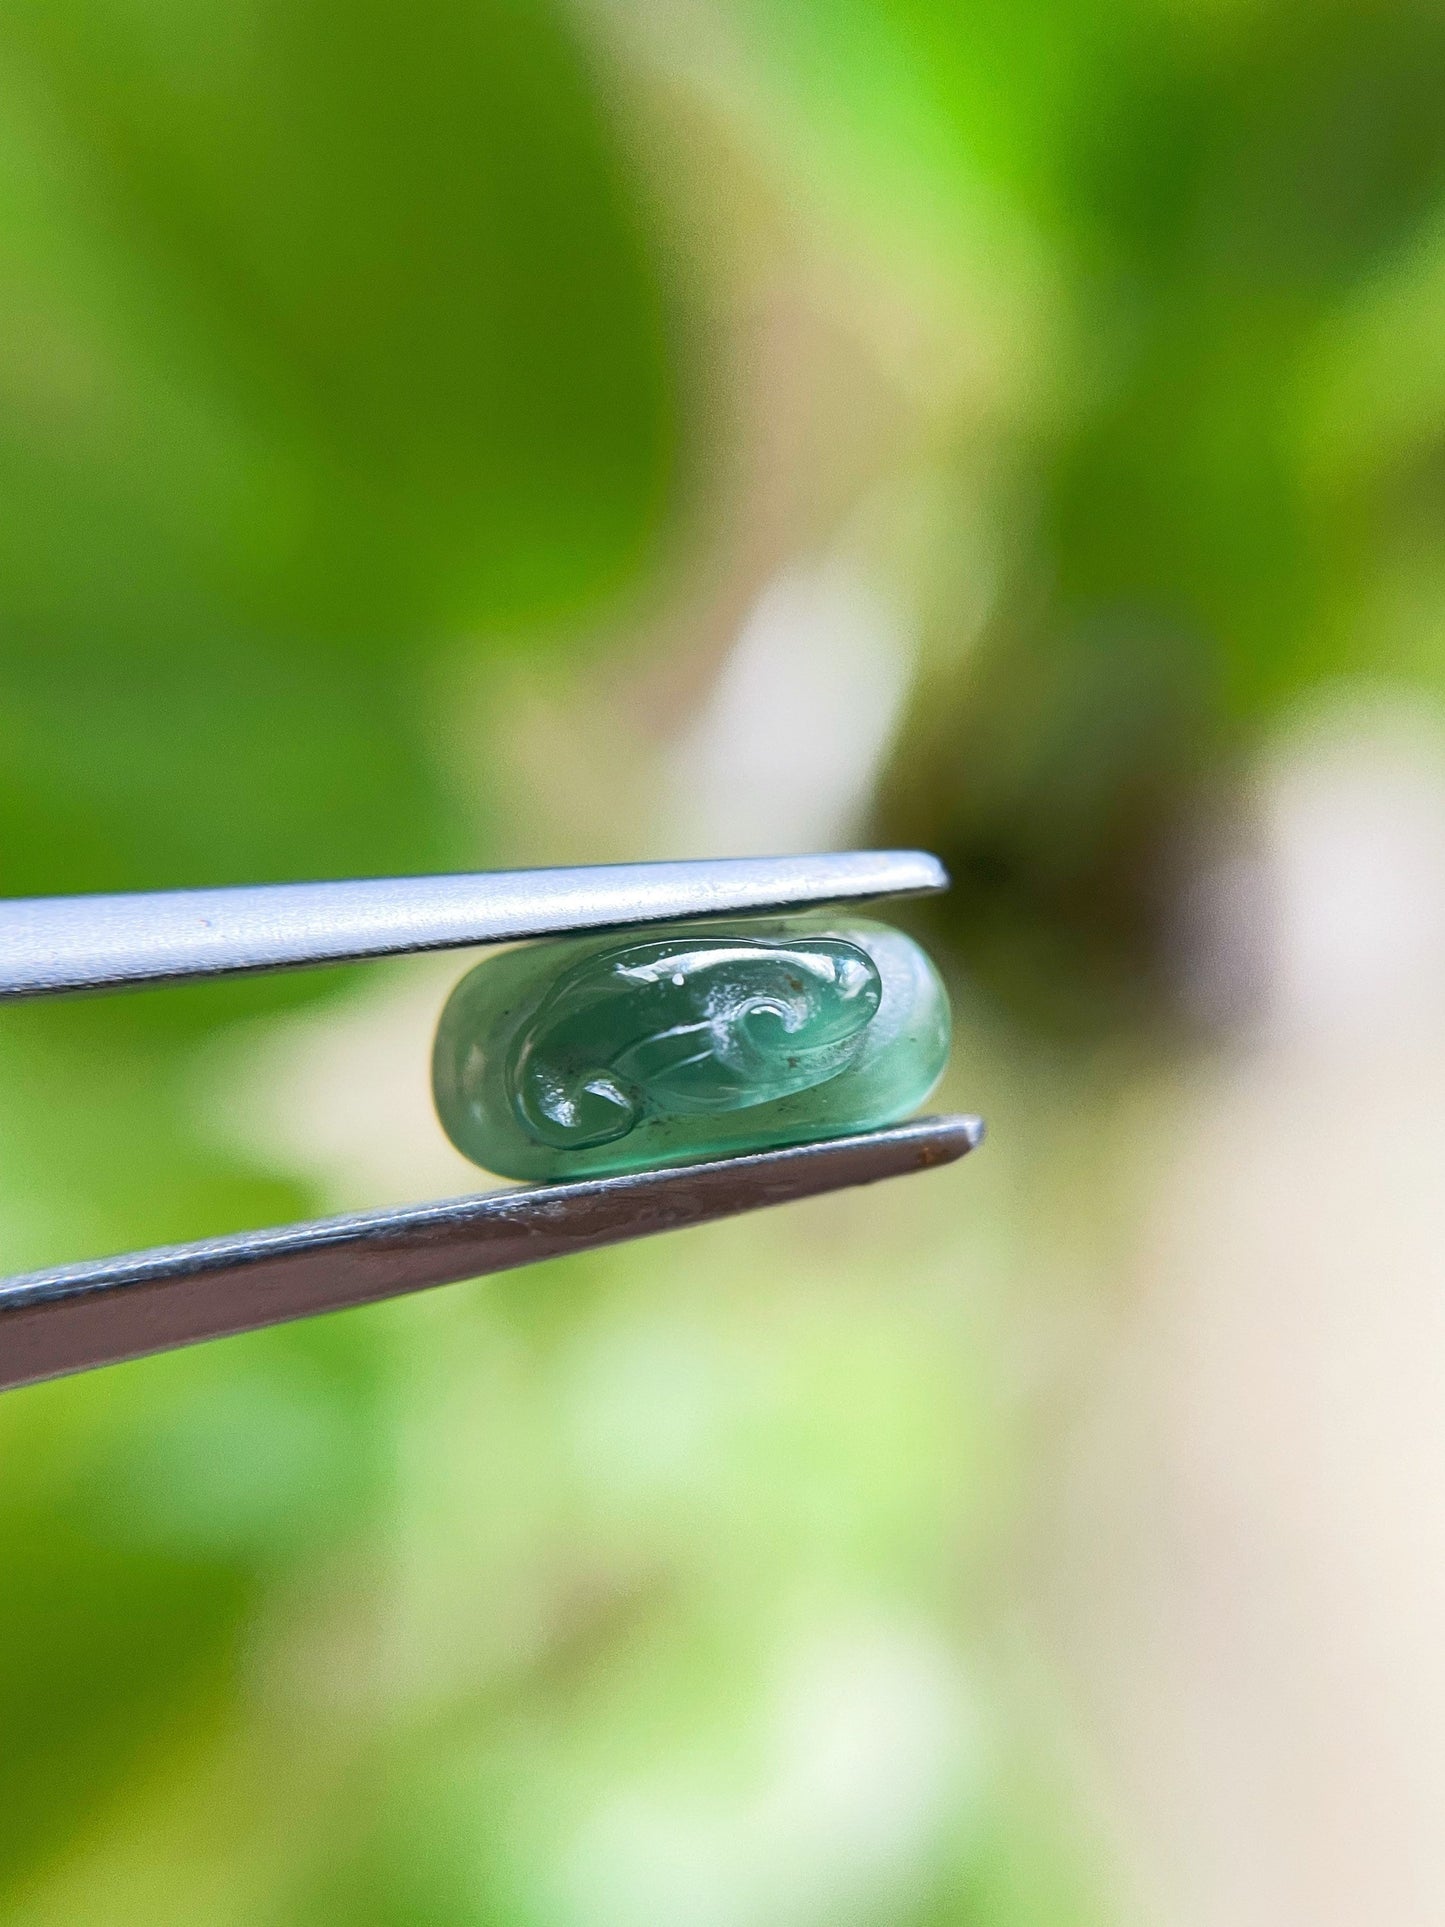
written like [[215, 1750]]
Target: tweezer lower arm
[[77, 1316]]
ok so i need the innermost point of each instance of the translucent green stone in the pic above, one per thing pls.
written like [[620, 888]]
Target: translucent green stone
[[698, 1040]]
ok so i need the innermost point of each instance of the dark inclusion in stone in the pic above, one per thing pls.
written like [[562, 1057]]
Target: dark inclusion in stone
[[700, 1040]]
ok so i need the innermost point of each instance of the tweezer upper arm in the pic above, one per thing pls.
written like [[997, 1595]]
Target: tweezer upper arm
[[49, 945]]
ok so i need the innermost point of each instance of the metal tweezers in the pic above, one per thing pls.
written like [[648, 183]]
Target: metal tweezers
[[99, 1312]]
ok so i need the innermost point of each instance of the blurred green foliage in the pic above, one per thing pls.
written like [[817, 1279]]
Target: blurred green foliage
[[339, 344], [325, 332]]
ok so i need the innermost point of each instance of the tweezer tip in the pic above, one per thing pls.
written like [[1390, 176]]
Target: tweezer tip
[[917, 873], [947, 1137]]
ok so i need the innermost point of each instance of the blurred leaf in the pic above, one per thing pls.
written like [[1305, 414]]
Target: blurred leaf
[[357, 316], [326, 334]]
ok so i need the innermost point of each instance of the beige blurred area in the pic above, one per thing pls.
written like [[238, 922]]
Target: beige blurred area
[[1241, 1549]]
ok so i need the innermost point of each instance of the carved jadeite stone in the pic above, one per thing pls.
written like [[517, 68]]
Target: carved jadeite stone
[[699, 1040]]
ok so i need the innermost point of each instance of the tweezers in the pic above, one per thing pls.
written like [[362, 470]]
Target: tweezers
[[101, 1311]]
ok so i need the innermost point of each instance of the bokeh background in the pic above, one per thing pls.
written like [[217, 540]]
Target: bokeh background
[[485, 432]]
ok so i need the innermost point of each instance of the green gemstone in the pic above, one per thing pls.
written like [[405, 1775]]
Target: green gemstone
[[700, 1040]]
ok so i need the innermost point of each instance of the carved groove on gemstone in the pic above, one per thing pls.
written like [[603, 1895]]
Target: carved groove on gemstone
[[682, 1029]]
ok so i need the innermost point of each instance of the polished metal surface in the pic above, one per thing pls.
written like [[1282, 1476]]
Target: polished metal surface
[[55, 944], [52, 1322]]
